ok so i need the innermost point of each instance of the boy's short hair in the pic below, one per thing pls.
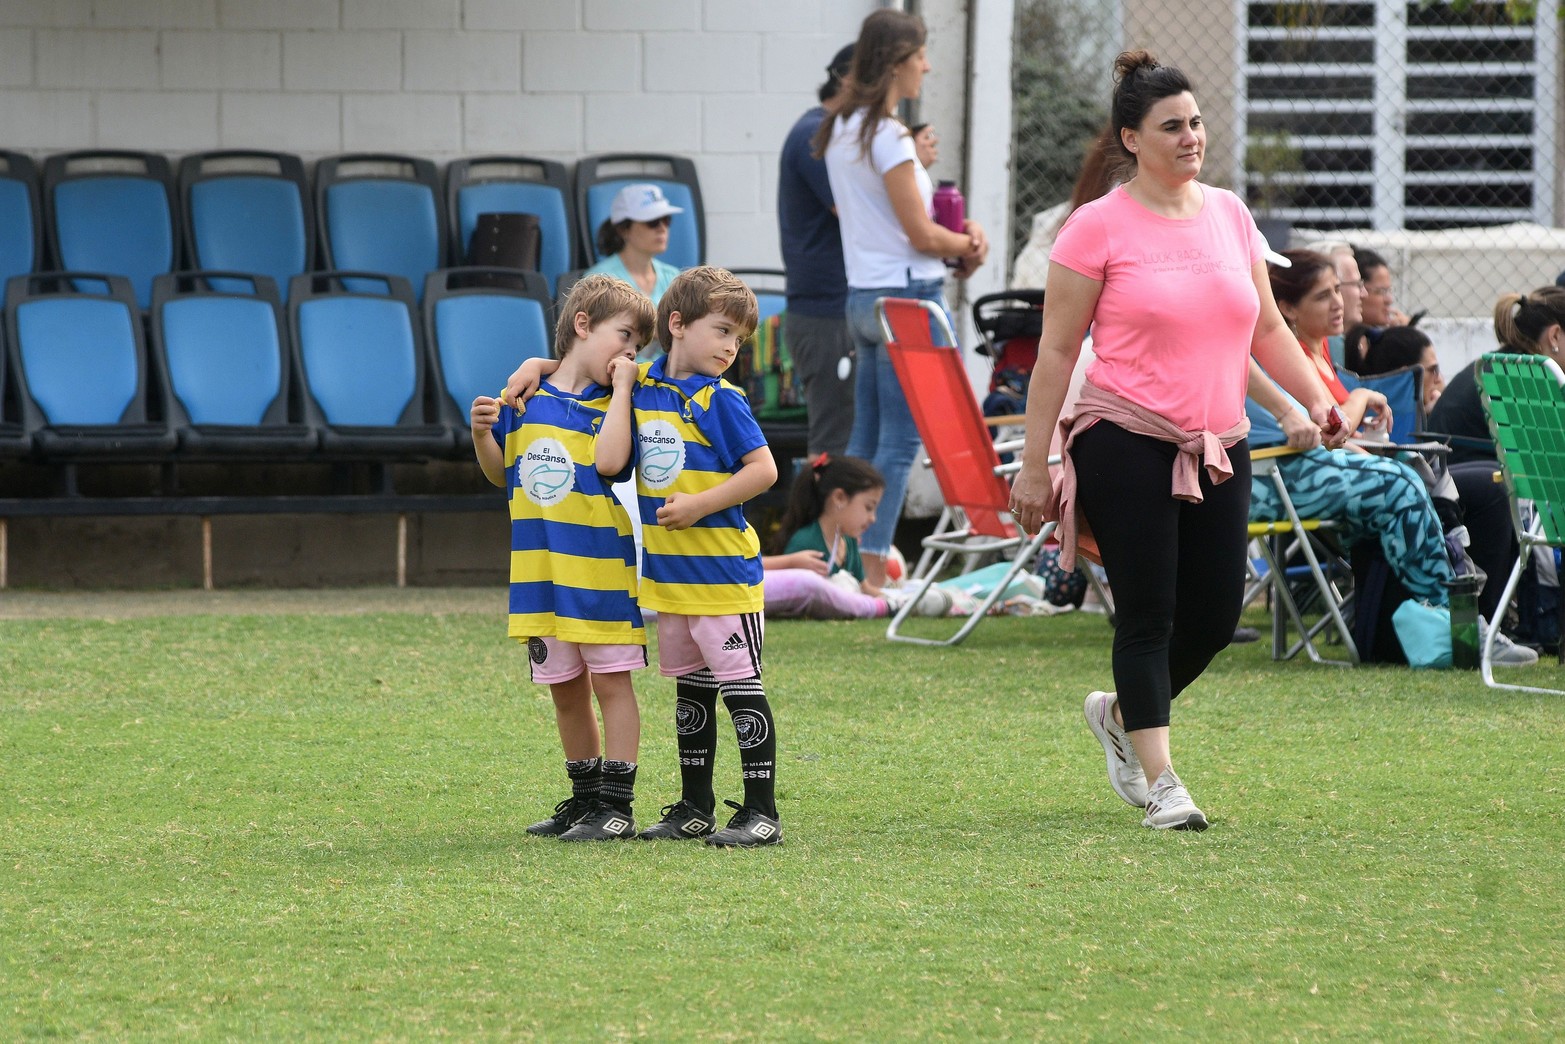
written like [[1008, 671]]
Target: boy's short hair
[[701, 291], [602, 297]]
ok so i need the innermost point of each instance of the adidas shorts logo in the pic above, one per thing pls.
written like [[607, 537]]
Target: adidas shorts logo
[[735, 643]]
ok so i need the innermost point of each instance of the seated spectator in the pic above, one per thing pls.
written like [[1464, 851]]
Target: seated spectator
[[1378, 304], [817, 572], [1394, 347], [1309, 296], [1524, 324], [1370, 497], [1481, 502], [634, 234]]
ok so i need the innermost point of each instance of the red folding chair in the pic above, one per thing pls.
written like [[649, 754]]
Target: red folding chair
[[964, 458]]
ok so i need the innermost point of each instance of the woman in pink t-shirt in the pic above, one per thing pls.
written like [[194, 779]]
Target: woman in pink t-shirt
[[1171, 276]]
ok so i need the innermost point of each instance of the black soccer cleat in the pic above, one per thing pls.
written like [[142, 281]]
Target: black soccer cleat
[[566, 814], [602, 823], [682, 821], [747, 829]]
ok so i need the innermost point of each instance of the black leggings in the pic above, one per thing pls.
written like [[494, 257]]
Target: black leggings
[[1176, 568], [1486, 509]]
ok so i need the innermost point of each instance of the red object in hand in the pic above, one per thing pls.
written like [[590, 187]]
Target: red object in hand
[[1334, 422]]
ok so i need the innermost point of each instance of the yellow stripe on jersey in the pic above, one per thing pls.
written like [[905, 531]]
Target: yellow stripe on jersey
[[712, 599], [566, 570], [584, 632], [699, 540]]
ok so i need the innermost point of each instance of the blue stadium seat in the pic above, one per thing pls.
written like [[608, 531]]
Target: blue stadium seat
[[363, 366], [599, 178], [15, 440], [78, 364], [514, 184], [21, 230], [379, 212], [770, 287], [112, 211], [246, 211], [479, 333], [562, 286], [219, 345]]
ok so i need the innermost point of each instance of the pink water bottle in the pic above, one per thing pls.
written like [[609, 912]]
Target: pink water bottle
[[950, 211]]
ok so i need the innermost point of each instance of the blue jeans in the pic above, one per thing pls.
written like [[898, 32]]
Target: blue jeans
[[883, 429]]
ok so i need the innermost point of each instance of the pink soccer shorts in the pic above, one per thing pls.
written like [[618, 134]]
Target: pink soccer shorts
[[730, 646], [554, 661]]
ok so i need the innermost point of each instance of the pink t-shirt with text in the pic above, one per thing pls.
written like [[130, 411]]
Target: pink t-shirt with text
[[1177, 312]]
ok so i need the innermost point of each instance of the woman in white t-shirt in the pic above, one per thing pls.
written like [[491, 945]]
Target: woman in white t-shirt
[[891, 246]]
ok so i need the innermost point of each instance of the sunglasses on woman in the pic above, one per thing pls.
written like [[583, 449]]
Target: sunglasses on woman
[[661, 222]]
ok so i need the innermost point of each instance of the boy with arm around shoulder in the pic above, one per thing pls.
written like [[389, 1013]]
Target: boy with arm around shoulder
[[699, 455], [573, 573]]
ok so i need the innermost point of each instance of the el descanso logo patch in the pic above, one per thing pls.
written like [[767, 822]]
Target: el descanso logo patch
[[545, 472], [662, 453]]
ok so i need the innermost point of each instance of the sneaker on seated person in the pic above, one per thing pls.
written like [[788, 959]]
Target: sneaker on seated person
[[1506, 652], [935, 602]]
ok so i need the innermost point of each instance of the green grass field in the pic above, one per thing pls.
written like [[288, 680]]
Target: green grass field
[[310, 826]]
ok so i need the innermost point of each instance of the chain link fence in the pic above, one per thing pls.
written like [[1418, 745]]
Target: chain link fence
[[1427, 130]]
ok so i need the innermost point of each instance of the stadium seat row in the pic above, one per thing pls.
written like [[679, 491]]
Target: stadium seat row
[[128, 214], [351, 368]]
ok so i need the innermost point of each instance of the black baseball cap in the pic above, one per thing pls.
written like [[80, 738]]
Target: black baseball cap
[[842, 63]]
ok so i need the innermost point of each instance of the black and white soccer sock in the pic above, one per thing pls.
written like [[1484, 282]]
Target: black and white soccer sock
[[586, 778], [695, 722], [757, 732], [619, 785]]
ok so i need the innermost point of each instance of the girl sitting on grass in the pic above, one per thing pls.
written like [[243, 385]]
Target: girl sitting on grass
[[817, 572]]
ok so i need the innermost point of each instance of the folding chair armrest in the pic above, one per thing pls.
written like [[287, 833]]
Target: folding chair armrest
[[1009, 445], [1007, 420], [1271, 452]]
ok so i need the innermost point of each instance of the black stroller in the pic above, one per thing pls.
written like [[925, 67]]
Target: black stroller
[[1010, 323]]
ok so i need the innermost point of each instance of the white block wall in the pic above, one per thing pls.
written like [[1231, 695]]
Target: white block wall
[[718, 80]]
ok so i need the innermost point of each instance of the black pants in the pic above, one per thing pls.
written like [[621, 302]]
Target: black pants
[[1486, 510], [1176, 568]]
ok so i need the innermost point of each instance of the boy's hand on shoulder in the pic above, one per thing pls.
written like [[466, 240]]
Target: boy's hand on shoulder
[[484, 414], [524, 383], [680, 511], [622, 374]]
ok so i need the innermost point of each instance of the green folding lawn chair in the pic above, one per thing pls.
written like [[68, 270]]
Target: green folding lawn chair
[[1524, 399]]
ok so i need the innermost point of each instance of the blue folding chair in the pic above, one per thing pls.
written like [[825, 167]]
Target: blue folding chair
[[21, 229], [479, 331], [221, 348], [363, 366], [380, 213], [1404, 392], [78, 364], [112, 211], [599, 179], [512, 185], [247, 211]]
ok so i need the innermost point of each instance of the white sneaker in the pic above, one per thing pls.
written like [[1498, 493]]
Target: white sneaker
[[1506, 652], [1169, 806], [935, 602], [1125, 774]]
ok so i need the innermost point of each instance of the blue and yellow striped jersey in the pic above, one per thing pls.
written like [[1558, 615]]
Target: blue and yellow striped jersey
[[573, 559], [691, 435]]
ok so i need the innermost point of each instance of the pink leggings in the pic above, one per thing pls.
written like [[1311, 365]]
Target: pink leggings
[[802, 593]]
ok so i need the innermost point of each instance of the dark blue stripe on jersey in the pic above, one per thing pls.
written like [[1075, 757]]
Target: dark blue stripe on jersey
[[728, 518], [542, 596], [587, 541], [700, 569]]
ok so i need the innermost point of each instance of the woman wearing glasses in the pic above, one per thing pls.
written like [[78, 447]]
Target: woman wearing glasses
[[634, 234]]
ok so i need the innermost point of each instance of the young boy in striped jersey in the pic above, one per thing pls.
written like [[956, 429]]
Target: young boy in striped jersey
[[573, 564], [699, 455]]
